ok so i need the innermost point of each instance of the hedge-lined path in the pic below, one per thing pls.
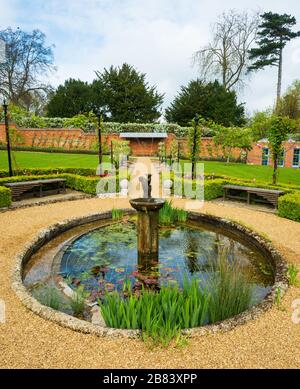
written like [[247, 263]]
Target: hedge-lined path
[[27, 340]]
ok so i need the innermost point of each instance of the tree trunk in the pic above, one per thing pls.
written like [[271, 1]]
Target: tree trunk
[[275, 169], [279, 81]]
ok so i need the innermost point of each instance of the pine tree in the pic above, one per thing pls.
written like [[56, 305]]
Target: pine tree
[[274, 33]]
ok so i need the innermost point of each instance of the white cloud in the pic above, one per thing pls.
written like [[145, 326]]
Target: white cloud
[[158, 37]]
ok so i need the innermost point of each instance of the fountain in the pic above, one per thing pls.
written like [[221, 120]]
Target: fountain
[[147, 224]]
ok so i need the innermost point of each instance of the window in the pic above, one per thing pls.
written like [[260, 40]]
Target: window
[[296, 158], [265, 156], [281, 159]]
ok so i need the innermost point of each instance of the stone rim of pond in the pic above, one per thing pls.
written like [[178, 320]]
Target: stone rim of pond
[[71, 322]]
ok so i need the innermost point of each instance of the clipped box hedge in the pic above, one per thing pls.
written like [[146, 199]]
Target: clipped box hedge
[[84, 184], [289, 206], [5, 197]]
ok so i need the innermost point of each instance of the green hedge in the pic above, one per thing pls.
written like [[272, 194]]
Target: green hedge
[[5, 197], [213, 189], [289, 206], [81, 183], [37, 171]]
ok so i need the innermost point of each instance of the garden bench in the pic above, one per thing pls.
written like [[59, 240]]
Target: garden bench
[[39, 187], [259, 195]]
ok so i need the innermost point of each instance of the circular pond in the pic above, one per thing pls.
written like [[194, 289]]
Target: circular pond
[[101, 257]]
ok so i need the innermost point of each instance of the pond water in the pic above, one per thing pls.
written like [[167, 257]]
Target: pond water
[[103, 257]]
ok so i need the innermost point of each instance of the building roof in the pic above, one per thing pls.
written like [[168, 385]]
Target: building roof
[[149, 135]]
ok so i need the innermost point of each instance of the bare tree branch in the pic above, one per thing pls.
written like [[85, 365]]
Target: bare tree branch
[[226, 58]]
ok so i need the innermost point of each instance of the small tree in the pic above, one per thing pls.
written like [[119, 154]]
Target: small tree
[[233, 137], [195, 141], [174, 151], [279, 128], [161, 151], [121, 149]]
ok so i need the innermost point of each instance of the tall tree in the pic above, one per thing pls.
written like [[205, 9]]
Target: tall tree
[[195, 141], [212, 101], [69, 99], [127, 95], [274, 32], [226, 57], [27, 60]]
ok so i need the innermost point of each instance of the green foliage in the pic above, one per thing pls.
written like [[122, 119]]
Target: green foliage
[[233, 137], [169, 215], [126, 95], [259, 124], [121, 149], [212, 101], [162, 151], [292, 274], [289, 206], [77, 302], [230, 292], [159, 315], [117, 214], [49, 297], [279, 129], [274, 33], [195, 141], [5, 197], [213, 189], [289, 104], [69, 99], [162, 315]]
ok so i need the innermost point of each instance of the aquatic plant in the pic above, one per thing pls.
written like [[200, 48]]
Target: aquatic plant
[[49, 297], [231, 294], [170, 215], [117, 214], [160, 315], [77, 302], [292, 274]]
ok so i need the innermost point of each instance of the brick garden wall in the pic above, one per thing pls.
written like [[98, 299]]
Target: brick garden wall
[[76, 139]]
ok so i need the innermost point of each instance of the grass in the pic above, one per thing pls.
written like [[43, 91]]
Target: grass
[[251, 172], [27, 160]]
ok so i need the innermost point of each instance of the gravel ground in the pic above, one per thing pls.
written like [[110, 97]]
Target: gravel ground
[[28, 341]]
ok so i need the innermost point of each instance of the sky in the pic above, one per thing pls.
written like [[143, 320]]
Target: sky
[[158, 37]]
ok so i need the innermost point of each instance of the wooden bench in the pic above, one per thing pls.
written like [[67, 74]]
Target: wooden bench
[[259, 195], [38, 187]]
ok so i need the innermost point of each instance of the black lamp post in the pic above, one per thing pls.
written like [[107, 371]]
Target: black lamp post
[[7, 138]]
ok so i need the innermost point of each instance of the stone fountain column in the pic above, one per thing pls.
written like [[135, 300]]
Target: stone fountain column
[[147, 225]]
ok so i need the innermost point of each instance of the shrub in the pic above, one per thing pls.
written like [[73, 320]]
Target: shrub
[[5, 197], [289, 206], [213, 189]]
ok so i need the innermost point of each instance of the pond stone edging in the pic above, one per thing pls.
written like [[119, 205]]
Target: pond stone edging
[[67, 321]]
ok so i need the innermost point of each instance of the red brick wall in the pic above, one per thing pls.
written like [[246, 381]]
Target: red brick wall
[[255, 155], [77, 139]]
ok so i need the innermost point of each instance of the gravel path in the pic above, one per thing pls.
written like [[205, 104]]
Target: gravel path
[[26, 340]]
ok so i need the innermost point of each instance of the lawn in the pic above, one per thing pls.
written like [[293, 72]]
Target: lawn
[[23, 160], [250, 172]]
